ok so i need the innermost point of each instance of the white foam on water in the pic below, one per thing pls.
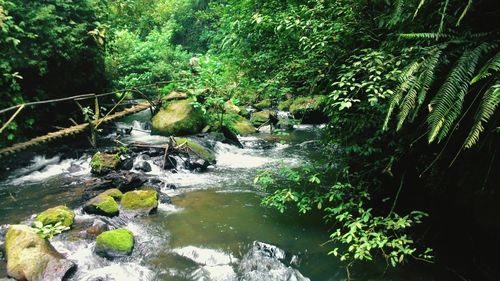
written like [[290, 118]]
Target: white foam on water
[[119, 272], [169, 208], [206, 257], [215, 273]]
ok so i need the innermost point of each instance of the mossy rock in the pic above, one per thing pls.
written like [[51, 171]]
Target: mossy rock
[[57, 214], [103, 163], [115, 243], [30, 257], [113, 192], [263, 104], [178, 118], [242, 126], [285, 105], [309, 109], [140, 200], [102, 204], [200, 151], [230, 107], [261, 117], [244, 112]]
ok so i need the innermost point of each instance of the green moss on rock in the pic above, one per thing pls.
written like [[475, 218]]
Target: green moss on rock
[[310, 109], [178, 118], [261, 117], [30, 257], [242, 126], [57, 214], [113, 192], [230, 107], [285, 105], [140, 200], [115, 243], [103, 163], [263, 104], [201, 151], [102, 205]]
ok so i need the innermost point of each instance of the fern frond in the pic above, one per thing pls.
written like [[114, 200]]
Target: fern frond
[[420, 5], [443, 14], [426, 36], [450, 97], [398, 11], [486, 109], [408, 103], [492, 65], [464, 12]]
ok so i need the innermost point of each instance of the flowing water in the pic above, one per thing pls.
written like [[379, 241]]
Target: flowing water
[[215, 227]]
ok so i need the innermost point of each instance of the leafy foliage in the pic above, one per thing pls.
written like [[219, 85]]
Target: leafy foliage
[[49, 230]]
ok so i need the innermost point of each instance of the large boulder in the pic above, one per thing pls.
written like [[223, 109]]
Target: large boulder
[[102, 204], [261, 117], [143, 201], [196, 148], [30, 257], [309, 109], [114, 243], [61, 214], [103, 163], [263, 104], [178, 118]]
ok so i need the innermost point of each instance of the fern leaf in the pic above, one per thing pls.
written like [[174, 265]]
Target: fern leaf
[[420, 5], [443, 14], [464, 12], [426, 36], [486, 109], [450, 97], [492, 64]]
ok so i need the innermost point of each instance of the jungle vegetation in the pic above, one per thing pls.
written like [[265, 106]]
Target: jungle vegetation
[[411, 90]]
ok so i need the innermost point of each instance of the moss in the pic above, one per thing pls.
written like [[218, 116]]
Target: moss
[[102, 162], [140, 199], [102, 205], [117, 242], [303, 104], [113, 192], [242, 126], [285, 105], [57, 214], [259, 118], [178, 118], [230, 107], [203, 152], [263, 104]]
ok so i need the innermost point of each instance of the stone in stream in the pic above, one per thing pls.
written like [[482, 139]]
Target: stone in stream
[[242, 126], [30, 257], [114, 243], [262, 117], [127, 164], [195, 149], [140, 201], [309, 109], [102, 204], [231, 137], [143, 166], [97, 228], [178, 118], [125, 180], [113, 192], [103, 163], [61, 214]]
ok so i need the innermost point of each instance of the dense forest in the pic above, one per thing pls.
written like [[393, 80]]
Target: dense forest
[[408, 90]]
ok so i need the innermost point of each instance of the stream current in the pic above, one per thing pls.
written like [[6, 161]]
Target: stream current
[[215, 227]]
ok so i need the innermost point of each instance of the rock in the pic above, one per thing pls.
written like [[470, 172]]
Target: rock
[[309, 109], [245, 112], [125, 180], [143, 166], [113, 192], [97, 228], [230, 107], [231, 137], [103, 163], [30, 257], [197, 149], [199, 165], [285, 105], [261, 117], [242, 126], [114, 243], [102, 205], [178, 118], [57, 214], [174, 95], [126, 164], [263, 104], [143, 201]]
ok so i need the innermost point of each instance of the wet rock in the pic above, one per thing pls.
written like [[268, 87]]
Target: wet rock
[[198, 165], [97, 228], [61, 214], [30, 257], [102, 205], [127, 164], [242, 126], [103, 163], [231, 137], [195, 149], [125, 180], [113, 192], [262, 117], [143, 166], [265, 262], [114, 243], [178, 118], [140, 201]]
